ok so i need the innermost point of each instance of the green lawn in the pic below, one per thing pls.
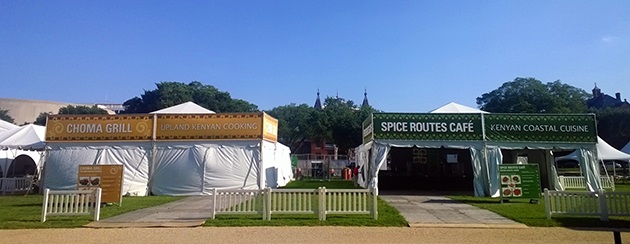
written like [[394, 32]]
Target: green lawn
[[24, 212], [387, 215], [534, 214]]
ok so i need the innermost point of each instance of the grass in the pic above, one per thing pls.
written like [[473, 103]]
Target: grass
[[387, 215], [534, 214], [24, 212]]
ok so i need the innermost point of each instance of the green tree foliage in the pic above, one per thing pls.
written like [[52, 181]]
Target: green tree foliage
[[172, 93], [528, 95], [70, 109], [4, 115], [613, 125], [296, 124], [340, 123]]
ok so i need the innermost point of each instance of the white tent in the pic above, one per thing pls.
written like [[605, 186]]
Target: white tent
[[22, 144], [175, 167], [604, 152], [453, 107], [5, 126], [26, 137], [184, 108]]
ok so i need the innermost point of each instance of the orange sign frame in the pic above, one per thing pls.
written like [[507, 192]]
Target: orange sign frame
[[99, 127]]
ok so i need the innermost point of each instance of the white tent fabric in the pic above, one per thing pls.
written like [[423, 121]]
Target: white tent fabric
[[453, 107], [5, 126], [27, 137], [626, 148], [7, 155], [184, 108], [604, 152], [63, 160]]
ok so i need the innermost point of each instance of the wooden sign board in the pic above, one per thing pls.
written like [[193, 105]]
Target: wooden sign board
[[108, 177]]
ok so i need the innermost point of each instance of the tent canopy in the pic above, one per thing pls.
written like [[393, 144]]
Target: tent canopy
[[604, 151], [453, 107], [27, 137], [5, 126], [184, 108]]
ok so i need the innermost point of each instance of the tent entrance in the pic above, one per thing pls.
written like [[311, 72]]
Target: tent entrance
[[432, 169], [22, 165]]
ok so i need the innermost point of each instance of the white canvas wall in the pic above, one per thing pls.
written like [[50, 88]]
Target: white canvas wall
[[63, 160]]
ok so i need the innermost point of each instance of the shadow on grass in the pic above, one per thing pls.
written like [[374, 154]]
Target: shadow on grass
[[593, 223]]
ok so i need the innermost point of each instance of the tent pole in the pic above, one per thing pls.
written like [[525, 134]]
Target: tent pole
[[152, 158]]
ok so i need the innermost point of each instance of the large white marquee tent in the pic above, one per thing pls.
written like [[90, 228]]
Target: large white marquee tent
[[21, 149], [175, 167]]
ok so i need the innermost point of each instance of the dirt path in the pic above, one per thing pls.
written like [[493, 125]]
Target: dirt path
[[308, 235]]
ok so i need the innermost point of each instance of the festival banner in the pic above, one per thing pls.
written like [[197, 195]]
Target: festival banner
[[368, 129], [228, 126], [574, 128], [270, 128], [426, 127], [98, 127]]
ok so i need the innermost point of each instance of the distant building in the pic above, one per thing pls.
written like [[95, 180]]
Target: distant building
[[601, 100], [26, 111]]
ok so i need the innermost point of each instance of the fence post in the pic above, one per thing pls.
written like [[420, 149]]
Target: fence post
[[603, 209], [97, 208], [45, 208], [214, 203], [374, 191], [547, 204], [267, 203], [322, 202]]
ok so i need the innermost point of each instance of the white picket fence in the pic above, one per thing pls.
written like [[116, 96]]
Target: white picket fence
[[73, 202], [319, 201], [578, 182], [15, 185], [600, 203]]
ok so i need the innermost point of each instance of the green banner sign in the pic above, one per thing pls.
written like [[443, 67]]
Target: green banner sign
[[540, 128], [426, 127], [519, 181]]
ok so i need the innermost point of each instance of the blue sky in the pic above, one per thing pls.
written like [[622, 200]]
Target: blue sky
[[411, 56]]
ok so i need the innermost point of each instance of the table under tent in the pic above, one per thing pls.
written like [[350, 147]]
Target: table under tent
[[178, 151], [463, 151]]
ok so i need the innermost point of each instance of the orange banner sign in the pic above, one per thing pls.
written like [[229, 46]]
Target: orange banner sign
[[98, 127], [209, 126], [108, 177]]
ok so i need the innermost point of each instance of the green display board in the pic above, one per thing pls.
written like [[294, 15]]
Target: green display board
[[294, 160], [519, 181]]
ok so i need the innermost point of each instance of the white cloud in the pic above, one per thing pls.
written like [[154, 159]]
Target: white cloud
[[609, 39]]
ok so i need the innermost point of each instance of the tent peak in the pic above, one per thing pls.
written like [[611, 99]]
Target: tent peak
[[454, 107], [184, 108]]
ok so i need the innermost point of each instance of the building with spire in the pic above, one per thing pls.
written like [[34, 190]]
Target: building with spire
[[601, 100], [318, 102], [365, 100]]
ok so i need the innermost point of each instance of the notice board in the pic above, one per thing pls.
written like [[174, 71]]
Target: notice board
[[107, 177], [519, 181]]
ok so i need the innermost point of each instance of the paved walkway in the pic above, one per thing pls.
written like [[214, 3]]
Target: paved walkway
[[418, 210], [187, 212], [439, 211]]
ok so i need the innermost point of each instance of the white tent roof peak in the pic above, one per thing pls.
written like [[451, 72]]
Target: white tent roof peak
[[26, 136], [604, 152], [5, 126], [184, 108], [453, 107]]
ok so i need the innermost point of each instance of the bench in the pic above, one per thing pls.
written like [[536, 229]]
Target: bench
[[72, 203], [578, 182]]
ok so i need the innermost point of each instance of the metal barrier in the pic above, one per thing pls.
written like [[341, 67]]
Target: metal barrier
[[76, 202], [319, 201], [578, 182], [599, 203]]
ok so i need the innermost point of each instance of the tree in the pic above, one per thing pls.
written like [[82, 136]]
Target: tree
[[613, 125], [528, 95], [70, 109], [172, 93], [296, 124], [4, 115]]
